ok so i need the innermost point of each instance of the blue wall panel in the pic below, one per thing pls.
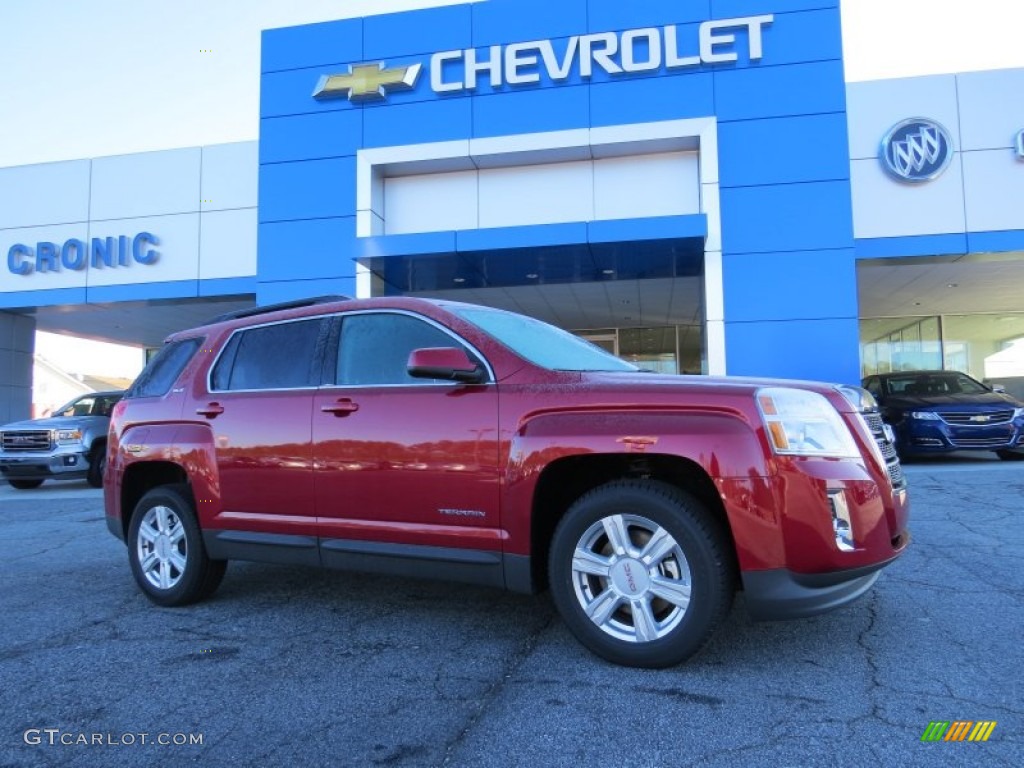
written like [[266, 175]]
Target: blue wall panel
[[790, 286], [416, 32], [923, 245], [799, 89], [825, 350], [796, 38], [276, 291], [307, 190], [312, 45], [652, 98], [789, 217], [498, 22], [174, 289], [548, 109], [726, 9], [301, 250], [41, 298], [419, 123], [309, 137], [783, 150], [606, 15]]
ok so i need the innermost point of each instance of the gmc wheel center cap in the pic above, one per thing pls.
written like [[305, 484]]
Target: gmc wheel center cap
[[630, 577], [163, 547]]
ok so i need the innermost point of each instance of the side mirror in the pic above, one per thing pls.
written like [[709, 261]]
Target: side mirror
[[999, 389], [449, 363]]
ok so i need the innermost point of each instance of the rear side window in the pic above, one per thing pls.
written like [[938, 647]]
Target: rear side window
[[281, 356], [163, 370]]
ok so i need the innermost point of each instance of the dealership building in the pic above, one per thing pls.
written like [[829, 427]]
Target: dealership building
[[693, 186]]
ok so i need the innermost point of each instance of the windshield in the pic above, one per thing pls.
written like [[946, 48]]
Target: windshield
[[89, 405], [925, 384], [542, 344]]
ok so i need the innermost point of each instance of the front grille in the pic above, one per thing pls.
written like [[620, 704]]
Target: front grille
[[896, 477], [27, 440], [873, 419], [977, 419], [981, 442]]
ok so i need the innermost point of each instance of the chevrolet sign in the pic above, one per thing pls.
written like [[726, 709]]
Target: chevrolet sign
[[637, 50]]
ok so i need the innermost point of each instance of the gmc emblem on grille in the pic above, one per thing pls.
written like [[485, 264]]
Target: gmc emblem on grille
[[20, 439], [979, 417]]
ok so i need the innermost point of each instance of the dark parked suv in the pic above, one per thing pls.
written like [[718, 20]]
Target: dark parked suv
[[446, 440]]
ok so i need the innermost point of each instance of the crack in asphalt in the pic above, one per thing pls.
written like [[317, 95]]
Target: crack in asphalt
[[525, 649]]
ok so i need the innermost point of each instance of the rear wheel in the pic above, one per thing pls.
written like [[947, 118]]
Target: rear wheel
[[25, 485], [1011, 455], [641, 573], [166, 552]]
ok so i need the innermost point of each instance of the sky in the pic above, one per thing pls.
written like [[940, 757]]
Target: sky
[[88, 78]]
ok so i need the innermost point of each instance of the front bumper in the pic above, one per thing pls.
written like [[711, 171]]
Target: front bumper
[[66, 464], [919, 437], [782, 594]]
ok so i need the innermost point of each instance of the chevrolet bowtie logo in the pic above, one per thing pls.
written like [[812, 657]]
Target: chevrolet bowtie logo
[[367, 82]]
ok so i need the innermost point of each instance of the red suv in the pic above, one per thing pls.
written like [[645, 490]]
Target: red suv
[[437, 439]]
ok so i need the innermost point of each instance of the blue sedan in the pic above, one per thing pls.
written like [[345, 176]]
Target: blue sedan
[[935, 412]]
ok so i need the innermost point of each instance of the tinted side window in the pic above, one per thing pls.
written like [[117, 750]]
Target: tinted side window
[[874, 386], [281, 356], [374, 349], [164, 369]]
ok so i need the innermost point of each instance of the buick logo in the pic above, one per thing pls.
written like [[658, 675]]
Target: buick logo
[[917, 150]]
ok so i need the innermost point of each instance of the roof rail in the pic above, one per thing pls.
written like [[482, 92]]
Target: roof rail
[[296, 304]]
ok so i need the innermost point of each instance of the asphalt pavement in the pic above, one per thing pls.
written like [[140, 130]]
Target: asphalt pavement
[[289, 666]]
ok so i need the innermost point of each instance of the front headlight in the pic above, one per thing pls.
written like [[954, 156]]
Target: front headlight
[[861, 400], [1018, 413], [803, 423], [65, 436], [924, 415]]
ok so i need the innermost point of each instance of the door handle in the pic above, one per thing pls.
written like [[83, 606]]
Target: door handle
[[340, 408], [211, 411]]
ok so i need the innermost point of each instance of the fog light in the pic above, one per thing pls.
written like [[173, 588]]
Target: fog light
[[841, 526], [70, 461]]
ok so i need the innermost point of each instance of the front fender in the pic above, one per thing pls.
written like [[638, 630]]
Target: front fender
[[723, 444]]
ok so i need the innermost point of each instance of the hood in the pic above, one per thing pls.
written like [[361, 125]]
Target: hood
[[56, 422], [985, 401]]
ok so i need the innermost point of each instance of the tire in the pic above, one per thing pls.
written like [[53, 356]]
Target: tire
[[25, 485], [97, 465], [166, 552], [681, 586], [1010, 455]]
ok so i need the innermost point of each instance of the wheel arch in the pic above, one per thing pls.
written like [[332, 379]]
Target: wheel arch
[[143, 476]]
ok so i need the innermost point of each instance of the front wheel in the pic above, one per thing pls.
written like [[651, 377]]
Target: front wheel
[[97, 465], [1011, 455], [641, 573], [25, 485], [166, 552]]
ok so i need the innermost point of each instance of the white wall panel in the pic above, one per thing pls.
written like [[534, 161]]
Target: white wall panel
[[647, 185], [875, 107], [542, 194], [430, 203], [883, 207], [991, 108], [148, 184], [230, 176], [50, 193], [30, 237], [994, 188], [178, 250], [227, 244]]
